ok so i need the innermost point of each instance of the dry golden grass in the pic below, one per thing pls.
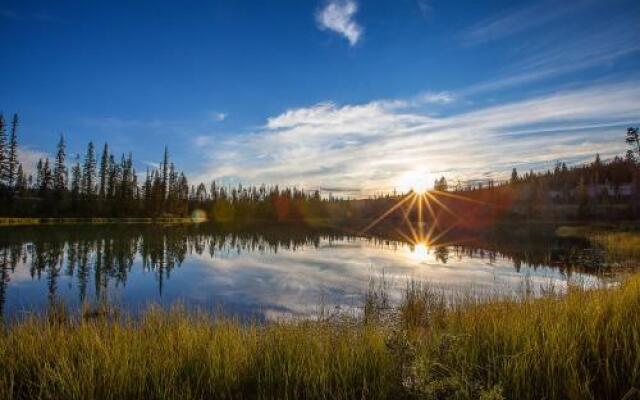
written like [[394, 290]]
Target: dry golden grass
[[582, 345]]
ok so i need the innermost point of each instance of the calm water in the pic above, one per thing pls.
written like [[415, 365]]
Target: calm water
[[270, 272]]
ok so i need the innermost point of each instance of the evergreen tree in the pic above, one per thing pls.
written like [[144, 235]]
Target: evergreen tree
[[89, 172], [114, 172], [165, 171], [76, 182], [104, 172], [12, 154], [630, 157], [21, 181], [39, 174], [440, 184], [3, 151], [514, 176], [633, 138], [46, 181], [59, 169], [147, 191]]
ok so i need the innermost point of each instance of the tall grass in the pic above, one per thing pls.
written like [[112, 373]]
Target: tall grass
[[582, 345], [618, 243]]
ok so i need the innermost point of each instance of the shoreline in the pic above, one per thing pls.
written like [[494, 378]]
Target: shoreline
[[576, 345], [324, 222], [9, 222]]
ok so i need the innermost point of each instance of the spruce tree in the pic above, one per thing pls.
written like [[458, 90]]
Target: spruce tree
[[39, 174], [104, 172], [12, 154], [46, 181], [89, 171], [514, 176], [147, 192], [21, 181], [59, 169], [165, 172], [76, 182], [112, 183], [3, 151]]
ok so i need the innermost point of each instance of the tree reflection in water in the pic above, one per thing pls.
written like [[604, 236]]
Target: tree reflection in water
[[105, 255]]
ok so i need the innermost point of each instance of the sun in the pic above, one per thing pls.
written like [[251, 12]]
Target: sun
[[417, 181]]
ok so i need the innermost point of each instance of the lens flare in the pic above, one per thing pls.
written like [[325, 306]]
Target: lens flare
[[198, 216], [426, 215]]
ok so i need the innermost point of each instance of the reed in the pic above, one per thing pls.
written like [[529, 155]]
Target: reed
[[584, 344]]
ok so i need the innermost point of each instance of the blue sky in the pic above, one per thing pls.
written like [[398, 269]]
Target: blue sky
[[354, 96]]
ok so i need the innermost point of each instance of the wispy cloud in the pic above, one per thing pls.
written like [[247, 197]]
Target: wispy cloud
[[598, 45], [518, 20], [338, 16], [218, 116], [370, 146]]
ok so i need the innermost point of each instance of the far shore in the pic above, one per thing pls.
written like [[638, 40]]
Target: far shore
[[4, 222], [317, 222]]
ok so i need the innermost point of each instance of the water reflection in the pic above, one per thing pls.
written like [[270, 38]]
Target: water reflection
[[263, 272]]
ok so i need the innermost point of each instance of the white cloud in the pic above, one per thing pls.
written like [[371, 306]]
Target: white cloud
[[29, 159], [218, 116], [369, 146], [337, 16]]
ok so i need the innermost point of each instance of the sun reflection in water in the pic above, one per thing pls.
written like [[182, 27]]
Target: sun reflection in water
[[426, 217], [419, 252]]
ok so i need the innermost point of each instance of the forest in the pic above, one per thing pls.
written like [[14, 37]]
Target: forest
[[101, 184]]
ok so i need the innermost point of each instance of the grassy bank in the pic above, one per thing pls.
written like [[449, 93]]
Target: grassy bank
[[584, 345], [618, 241]]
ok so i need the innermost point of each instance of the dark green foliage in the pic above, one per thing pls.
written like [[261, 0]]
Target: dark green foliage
[[60, 169], [12, 153], [89, 172], [111, 189], [3, 151], [104, 172]]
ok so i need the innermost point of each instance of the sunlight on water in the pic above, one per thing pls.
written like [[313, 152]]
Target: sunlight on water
[[275, 272], [420, 252]]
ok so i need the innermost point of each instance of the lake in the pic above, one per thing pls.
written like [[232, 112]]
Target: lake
[[275, 271]]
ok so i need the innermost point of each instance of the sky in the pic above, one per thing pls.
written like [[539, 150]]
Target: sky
[[352, 97]]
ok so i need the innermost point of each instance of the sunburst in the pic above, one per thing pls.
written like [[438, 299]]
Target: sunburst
[[426, 230]]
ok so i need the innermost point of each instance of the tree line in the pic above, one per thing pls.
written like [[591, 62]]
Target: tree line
[[100, 184], [103, 185]]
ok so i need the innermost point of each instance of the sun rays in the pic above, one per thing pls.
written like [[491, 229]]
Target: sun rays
[[426, 219]]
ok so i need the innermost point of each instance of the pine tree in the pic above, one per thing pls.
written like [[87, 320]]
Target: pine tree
[[39, 174], [3, 151], [165, 171], [630, 157], [59, 169], [171, 195], [21, 181], [104, 172], [114, 172], [89, 172], [46, 181], [12, 157], [76, 181], [514, 176]]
